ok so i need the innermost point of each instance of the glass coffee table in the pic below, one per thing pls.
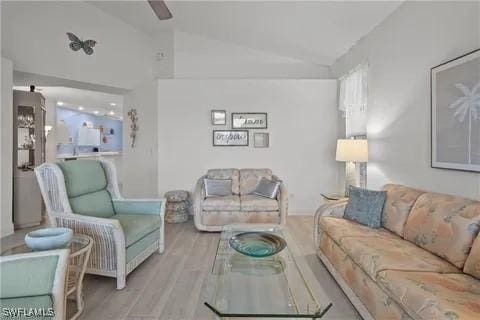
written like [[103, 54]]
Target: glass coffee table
[[278, 286]]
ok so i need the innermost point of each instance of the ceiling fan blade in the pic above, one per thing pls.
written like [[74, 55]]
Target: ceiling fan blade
[[160, 9]]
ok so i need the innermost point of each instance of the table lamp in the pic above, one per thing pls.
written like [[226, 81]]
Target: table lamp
[[352, 151]]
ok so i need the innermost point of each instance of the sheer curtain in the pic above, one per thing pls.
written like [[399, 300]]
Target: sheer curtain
[[353, 105], [353, 100]]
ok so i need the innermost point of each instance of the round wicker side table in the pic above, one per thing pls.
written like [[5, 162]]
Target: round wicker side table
[[178, 206]]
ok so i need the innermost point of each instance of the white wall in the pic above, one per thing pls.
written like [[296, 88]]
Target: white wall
[[6, 148], [400, 52], [301, 122], [33, 37], [140, 163], [203, 58]]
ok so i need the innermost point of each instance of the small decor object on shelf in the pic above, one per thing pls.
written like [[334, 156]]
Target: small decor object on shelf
[[178, 205], [455, 108], [249, 120], [230, 138], [257, 244], [132, 115], [48, 239], [77, 44], [219, 117], [261, 140]]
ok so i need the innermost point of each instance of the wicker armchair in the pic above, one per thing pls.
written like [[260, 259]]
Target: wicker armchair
[[125, 231]]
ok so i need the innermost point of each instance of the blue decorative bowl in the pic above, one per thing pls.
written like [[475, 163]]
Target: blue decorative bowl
[[49, 239], [257, 244]]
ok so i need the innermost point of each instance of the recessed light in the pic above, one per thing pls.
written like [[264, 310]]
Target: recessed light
[[60, 103], [80, 108], [112, 113], [113, 104], [96, 112]]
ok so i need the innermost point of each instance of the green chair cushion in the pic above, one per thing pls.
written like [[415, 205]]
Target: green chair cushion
[[137, 226], [83, 176], [31, 276], [29, 304], [96, 204], [142, 244]]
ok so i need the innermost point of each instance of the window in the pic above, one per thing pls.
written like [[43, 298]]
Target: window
[[353, 100]]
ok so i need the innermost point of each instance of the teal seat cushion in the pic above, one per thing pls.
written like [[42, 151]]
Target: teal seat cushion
[[27, 277], [86, 184], [142, 244], [83, 176], [96, 204], [29, 305], [137, 226]]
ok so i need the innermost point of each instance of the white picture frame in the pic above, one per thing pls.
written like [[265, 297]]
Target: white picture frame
[[218, 117], [261, 140], [455, 113]]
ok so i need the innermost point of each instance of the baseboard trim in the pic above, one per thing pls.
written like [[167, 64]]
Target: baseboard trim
[[300, 213]]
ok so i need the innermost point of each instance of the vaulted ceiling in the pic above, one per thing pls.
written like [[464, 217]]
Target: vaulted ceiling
[[312, 31]]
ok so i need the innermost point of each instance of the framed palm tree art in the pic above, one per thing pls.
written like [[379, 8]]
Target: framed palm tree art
[[455, 113]]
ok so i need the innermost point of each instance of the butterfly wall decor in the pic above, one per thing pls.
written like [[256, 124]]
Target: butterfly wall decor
[[77, 44]]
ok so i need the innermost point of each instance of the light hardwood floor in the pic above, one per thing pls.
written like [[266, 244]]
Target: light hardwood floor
[[172, 286]]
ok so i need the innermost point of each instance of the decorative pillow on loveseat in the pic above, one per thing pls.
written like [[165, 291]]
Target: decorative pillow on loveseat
[[267, 188], [365, 206], [217, 187]]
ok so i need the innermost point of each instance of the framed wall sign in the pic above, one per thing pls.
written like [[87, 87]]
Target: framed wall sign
[[261, 140], [249, 120], [219, 117], [455, 90], [230, 138]]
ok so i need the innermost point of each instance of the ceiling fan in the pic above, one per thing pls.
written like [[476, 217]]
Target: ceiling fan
[[160, 9]]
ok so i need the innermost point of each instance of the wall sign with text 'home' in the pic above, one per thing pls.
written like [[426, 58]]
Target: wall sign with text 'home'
[[248, 120]]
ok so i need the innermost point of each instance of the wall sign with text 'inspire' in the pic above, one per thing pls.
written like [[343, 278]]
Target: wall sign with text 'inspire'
[[248, 120], [231, 138]]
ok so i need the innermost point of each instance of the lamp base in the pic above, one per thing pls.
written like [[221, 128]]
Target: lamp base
[[355, 175], [350, 176]]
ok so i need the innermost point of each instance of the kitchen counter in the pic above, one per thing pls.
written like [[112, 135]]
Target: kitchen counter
[[90, 155]]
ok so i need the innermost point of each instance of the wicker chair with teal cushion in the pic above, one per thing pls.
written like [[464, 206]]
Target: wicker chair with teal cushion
[[83, 195], [34, 283]]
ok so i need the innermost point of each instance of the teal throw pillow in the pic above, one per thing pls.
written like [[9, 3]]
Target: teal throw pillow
[[365, 206]]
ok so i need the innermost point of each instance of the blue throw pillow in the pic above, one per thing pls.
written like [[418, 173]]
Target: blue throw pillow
[[365, 206]]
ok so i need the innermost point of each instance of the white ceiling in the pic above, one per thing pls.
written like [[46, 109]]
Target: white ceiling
[[91, 101], [313, 31]]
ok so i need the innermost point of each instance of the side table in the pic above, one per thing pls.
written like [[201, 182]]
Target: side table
[[80, 248], [178, 205], [332, 197]]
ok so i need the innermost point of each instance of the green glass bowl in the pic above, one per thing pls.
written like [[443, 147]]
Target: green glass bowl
[[257, 244]]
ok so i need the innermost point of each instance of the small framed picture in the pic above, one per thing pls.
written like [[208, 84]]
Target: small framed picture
[[219, 117], [249, 120], [261, 140], [230, 138]]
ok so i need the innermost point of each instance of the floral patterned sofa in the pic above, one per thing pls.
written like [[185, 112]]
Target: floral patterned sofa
[[424, 263]]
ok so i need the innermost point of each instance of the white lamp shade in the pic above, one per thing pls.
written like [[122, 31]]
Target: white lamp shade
[[352, 150]]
